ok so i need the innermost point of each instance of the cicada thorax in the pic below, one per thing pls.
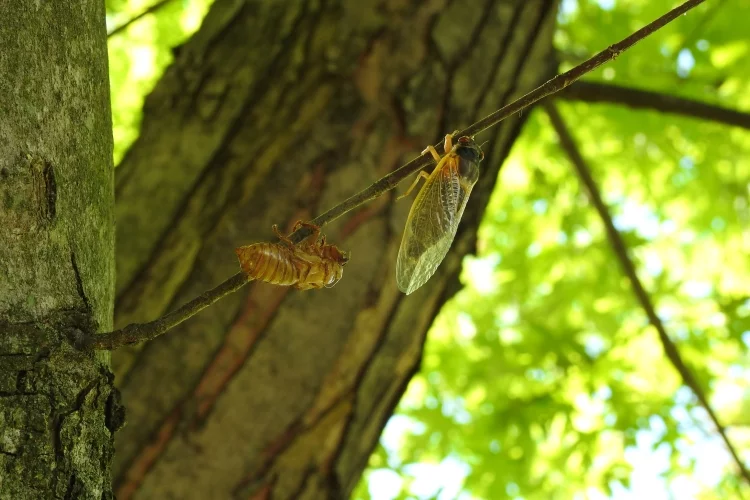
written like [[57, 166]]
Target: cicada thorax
[[468, 174], [468, 156], [319, 265]]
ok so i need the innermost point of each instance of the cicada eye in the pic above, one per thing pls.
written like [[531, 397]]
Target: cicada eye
[[464, 140]]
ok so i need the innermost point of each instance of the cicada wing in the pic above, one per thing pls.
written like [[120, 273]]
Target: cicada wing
[[420, 270], [431, 226]]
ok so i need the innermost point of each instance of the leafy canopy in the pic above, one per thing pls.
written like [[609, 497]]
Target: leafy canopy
[[542, 378]]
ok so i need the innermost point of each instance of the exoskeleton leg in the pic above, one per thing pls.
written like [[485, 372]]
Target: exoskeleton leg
[[314, 234], [282, 237]]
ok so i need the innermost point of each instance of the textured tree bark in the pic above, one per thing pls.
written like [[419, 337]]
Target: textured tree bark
[[58, 406], [273, 112]]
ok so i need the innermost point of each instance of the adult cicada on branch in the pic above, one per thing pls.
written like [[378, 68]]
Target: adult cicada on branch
[[308, 264], [436, 211]]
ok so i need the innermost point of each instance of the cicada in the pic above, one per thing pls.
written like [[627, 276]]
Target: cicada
[[305, 265], [436, 211]]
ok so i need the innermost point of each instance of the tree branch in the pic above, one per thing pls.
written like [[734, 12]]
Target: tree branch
[[670, 349], [141, 332], [552, 86], [147, 11], [135, 333], [646, 99]]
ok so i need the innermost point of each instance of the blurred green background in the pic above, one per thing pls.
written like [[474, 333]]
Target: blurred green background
[[542, 378]]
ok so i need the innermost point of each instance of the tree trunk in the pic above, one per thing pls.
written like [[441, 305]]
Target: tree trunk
[[271, 113], [58, 407]]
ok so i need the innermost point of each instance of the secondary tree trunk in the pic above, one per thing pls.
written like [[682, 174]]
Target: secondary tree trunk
[[58, 407], [273, 112]]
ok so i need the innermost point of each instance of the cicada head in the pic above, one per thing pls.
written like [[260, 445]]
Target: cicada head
[[469, 150], [336, 277], [344, 257], [332, 253]]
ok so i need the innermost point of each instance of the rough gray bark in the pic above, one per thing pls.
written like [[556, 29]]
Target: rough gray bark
[[273, 112], [58, 407]]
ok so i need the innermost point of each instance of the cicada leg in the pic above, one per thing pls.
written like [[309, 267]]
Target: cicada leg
[[300, 224], [448, 142], [315, 230], [447, 146], [316, 243], [422, 175], [284, 239], [431, 149]]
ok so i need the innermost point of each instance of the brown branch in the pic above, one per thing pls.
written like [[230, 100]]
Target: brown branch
[[135, 333], [141, 332], [646, 99], [147, 11], [556, 84], [670, 349]]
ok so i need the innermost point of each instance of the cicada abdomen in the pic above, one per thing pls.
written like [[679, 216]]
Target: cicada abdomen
[[309, 264], [268, 262]]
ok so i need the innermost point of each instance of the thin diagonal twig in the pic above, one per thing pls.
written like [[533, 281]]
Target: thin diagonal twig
[[645, 99], [552, 86], [618, 244], [148, 331], [147, 11], [135, 333]]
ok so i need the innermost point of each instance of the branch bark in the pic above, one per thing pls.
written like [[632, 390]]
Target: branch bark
[[141, 332], [598, 92], [135, 333], [618, 245]]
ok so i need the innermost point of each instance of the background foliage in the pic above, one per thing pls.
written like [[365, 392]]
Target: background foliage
[[542, 378]]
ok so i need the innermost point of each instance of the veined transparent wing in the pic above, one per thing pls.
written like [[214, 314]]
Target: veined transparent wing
[[432, 224]]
